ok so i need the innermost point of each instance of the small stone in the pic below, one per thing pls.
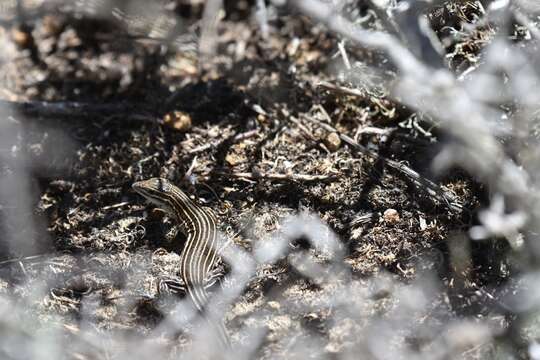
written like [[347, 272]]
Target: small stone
[[262, 119], [332, 141], [178, 120], [391, 216], [274, 305], [22, 37], [423, 224], [234, 159]]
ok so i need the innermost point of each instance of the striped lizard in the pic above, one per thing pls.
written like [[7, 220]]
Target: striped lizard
[[199, 225]]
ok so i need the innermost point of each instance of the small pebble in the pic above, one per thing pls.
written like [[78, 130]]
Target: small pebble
[[332, 141], [22, 37], [274, 305], [178, 120], [391, 216]]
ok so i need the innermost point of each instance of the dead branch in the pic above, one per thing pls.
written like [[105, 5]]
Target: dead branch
[[341, 89]]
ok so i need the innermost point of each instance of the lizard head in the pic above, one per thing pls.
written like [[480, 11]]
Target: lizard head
[[156, 190]]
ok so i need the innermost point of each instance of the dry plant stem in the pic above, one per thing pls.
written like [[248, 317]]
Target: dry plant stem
[[283, 177], [304, 130], [209, 22], [27, 258], [362, 219], [341, 89], [77, 109], [308, 134], [239, 137], [433, 190]]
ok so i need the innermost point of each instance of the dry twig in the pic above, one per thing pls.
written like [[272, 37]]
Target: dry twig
[[276, 176], [236, 138], [342, 89]]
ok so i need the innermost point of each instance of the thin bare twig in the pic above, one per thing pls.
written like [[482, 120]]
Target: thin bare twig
[[341, 89], [239, 137], [209, 23], [27, 258], [260, 175]]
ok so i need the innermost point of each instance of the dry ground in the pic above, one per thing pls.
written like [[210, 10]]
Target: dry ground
[[233, 131]]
